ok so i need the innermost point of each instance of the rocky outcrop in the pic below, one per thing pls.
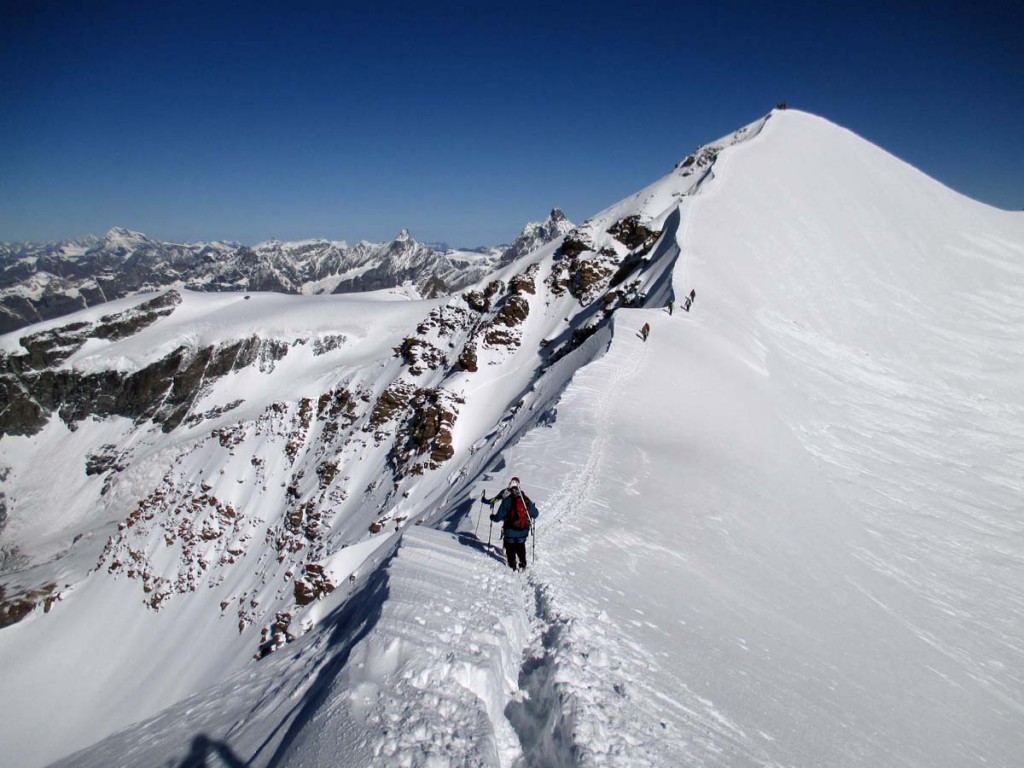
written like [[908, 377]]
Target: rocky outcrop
[[700, 161], [391, 402], [633, 234], [4, 471], [15, 607], [202, 535], [328, 343], [584, 274], [536, 234], [163, 391], [512, 307], [49, 348], [468, 359], [337, 409], [419, 421], [480, 301], [420, 355], [575, 243], [587, 270], [312, 585], [201, 531], [425, 441], [277, 635]]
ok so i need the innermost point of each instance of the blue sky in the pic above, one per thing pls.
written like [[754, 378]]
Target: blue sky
[[462, 121]]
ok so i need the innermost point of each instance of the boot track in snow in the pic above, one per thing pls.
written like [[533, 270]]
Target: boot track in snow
[[546, 711]]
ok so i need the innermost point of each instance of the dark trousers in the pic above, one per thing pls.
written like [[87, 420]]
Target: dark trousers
[[516, 550]]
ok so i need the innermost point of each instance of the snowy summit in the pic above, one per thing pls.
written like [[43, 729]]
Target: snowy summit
[[781, 527]]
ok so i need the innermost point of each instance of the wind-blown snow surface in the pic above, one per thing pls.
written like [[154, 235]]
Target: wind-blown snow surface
[[787, 530]]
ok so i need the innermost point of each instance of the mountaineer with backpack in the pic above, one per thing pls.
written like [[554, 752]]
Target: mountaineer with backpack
[[515, 512]]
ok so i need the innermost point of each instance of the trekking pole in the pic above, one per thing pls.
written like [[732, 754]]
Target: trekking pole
[[533, 533], [479, 512]]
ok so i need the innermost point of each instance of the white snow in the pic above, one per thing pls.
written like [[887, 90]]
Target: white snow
[[784, 531], [204, 319]]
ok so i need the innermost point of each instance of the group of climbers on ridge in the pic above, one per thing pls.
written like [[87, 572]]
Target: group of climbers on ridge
[[645, 331]]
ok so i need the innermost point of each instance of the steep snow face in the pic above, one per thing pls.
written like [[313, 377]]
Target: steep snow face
[[784, 530], [882, 314]]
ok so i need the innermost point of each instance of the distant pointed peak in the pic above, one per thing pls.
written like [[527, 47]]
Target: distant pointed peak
[[557, 214], [403, 236]]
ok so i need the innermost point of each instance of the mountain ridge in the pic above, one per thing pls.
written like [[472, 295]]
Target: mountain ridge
[[715, 572]]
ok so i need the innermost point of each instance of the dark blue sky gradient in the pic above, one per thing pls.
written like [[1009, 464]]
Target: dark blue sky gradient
[[462, 121]]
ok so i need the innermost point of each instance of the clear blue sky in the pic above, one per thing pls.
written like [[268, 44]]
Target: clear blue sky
[[462, 121]]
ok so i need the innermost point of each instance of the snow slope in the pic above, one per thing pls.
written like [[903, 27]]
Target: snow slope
[[784, 531]]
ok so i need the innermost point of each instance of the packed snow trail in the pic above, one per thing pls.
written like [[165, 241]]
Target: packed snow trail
[[428, 684], [557, 723]]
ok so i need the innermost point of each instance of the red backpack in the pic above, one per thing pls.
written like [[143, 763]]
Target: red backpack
[[519, 515]]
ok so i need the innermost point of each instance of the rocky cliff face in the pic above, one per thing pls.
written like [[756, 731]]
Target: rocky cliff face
[[45, 281]]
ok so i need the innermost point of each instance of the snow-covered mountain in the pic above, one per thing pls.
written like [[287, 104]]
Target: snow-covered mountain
[[784, 530], [45, 281]]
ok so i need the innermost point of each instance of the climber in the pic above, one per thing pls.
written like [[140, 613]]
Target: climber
[[515, 512]]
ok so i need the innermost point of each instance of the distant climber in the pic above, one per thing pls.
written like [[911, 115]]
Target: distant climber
[[516, 512], [686, 303], [645, 331], [693, 295], [671, 306]]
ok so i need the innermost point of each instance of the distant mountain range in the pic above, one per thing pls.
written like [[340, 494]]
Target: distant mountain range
[[44, 281]]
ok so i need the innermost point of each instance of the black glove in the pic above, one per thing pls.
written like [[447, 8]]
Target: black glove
[[483, 497]]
